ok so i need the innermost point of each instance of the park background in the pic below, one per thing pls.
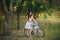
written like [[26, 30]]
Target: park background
[[13, 18]]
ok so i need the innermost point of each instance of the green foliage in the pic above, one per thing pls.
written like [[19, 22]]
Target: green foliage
[[47, 9], [2, 19], [59, 8], [7, 3], [14, 2], [36, 7], [33, 5], [28, 5], [17, 4]]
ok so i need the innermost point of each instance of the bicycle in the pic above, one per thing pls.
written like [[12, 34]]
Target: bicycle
[[39, 32]]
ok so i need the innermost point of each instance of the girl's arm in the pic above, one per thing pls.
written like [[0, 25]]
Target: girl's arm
[[33, 19]]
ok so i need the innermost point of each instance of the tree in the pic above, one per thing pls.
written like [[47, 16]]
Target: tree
[[34, 6], [8, 9], [18, 10]]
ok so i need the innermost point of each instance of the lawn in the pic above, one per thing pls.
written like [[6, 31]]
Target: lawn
[[51, 26]]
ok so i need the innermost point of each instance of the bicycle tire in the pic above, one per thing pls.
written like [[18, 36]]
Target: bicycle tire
[[41, 32]]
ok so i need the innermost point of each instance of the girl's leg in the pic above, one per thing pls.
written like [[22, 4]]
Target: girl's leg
[[30, 33], [25, 32]]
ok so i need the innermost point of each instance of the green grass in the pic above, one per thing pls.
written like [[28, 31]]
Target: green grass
[[52, 32]]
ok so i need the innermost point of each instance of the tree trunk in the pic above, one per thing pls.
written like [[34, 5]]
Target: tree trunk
[[18, 21], [8, 14], [19, 8], [7, 28], [18, 15]]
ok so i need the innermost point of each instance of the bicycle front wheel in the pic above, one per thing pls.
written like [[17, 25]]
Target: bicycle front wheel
[[41, 32]]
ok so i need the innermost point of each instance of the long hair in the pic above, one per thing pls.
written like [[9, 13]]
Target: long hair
[[29, 15]]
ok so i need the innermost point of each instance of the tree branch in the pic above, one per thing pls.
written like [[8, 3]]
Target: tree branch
[[4, 6], [11, 7]]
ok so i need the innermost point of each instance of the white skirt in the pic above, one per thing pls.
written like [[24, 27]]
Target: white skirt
[[28, 25]]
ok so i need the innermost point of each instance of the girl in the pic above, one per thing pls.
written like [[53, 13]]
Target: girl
[[28, 26]]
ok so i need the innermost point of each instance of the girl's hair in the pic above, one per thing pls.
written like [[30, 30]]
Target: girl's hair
[[29, 15]]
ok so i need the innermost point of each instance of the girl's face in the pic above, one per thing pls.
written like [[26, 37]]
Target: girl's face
[[30, 13]]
